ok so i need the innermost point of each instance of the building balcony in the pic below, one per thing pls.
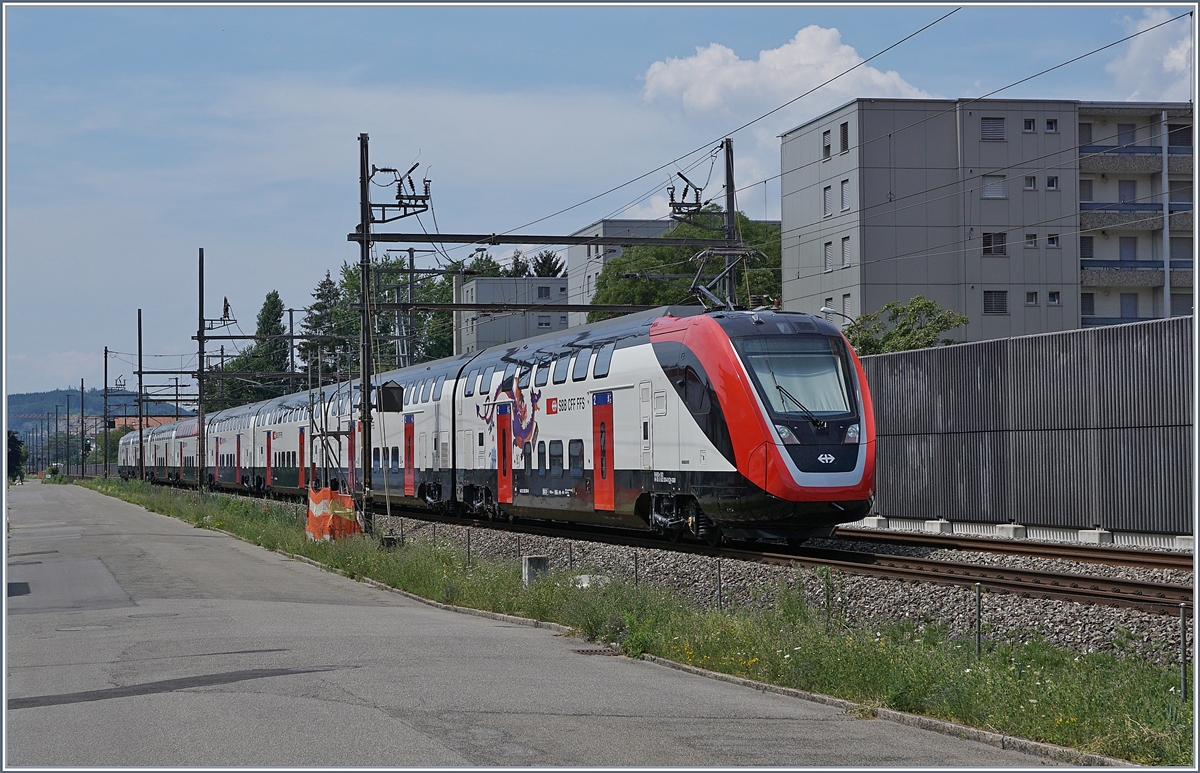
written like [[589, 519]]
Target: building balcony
[[1098, 321], [1133, 273], [1134, 265], [1134, 159], [1097, 215]]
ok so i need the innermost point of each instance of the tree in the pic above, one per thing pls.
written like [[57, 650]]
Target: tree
[[16, 455], [757, 276], [519, 267], [265, 355], [913, 325], [320, 319], [547, 263]]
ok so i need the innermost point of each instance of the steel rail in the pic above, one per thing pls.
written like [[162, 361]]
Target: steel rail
[[1146, 559]]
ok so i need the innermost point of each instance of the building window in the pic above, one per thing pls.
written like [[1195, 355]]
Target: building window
[[1087, 247], [1181, 248], [1182, 305], [845, 137], [543, 322], [991, 129], [1129, 248], [1052, 125], [845, 252], [562, 290], [1126, 134], [995, 244], [1180, 136], [845, 195], [1052, 240], [1031, 298], [1181, 191], [1085, 134], [1030, 125], [562, 320], [587, 280], [995, 301], [828, 305], [1031, 182], [993, 186], [829, 256], [1126, 191], [1051, 183], [1129, 305], [827, 201], [1085, 190], [1031, 241], [1087, 304], [826, 147], [1053, 298], [845, 308], [544, 292]]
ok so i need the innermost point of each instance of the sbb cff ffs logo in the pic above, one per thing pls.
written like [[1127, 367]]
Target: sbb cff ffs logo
[[556, 405]]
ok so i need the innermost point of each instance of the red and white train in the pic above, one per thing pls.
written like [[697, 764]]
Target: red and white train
[[747, 424]]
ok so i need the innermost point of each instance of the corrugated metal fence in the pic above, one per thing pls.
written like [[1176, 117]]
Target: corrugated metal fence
[[1081, 429]]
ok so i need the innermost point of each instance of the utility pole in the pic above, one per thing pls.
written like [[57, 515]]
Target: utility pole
[[82, 434], [141, 408], [201, 444], [730, 220], [69, 454], [106, 412], [364, 192], [410, 339], [291, 350], [57, 439]]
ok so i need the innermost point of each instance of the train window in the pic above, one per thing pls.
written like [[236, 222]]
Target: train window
[[425, 390], [481, 440], [527, 454], [395, 458], [469, 389], [541, 457], [485, 382], [560, 368], [543, 372], [575, 452], [375, 459], [556, 459], [437, 388], [523, 381], [582, 359], [603, 360], [506, 384]]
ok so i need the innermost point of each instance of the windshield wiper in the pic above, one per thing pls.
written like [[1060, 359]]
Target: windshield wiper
[[809, 414]]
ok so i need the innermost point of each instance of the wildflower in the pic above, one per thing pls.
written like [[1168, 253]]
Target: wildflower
[[967, 671], [785, 657], [1031, 700]]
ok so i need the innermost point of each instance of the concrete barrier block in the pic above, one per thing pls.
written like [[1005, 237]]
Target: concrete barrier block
[[875, 522], [1186, 542], [939, 527], [1010, 530], [1096, 536], [533, 567]]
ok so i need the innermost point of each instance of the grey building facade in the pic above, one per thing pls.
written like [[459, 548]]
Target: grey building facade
[[1012, 212], [478, 330], [586, 261]]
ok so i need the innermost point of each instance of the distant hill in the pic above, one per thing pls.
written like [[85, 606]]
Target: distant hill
[[24, 410]]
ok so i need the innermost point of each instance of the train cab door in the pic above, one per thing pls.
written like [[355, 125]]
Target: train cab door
[[646, 424], [602, 451], [504, 485]]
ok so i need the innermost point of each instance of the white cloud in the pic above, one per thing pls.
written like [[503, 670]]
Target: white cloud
[[716, 79], [1158, 65]]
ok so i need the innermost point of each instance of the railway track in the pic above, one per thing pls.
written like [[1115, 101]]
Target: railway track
[[1152, 597], [1147, 559]]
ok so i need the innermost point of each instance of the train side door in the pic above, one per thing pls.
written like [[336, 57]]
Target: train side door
[[504, 453], [270, 462], [646, 424], [237, 469], [410, 458], [602, 451]]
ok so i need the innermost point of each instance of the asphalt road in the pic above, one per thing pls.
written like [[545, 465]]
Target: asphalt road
[[134, 639]]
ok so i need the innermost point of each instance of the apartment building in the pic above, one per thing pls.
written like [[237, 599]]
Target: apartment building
[[1028, 216], [475, 330]]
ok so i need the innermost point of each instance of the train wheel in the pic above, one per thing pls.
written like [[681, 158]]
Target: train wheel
[[674, 535], [714, 537]]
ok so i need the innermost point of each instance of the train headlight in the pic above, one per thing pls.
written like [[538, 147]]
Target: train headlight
[[852, 433], [786, 435]]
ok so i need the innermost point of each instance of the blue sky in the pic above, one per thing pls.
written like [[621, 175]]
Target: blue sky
[[135, 135]]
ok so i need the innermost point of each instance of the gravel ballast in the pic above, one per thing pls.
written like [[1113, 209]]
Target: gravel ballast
[[858, 600]]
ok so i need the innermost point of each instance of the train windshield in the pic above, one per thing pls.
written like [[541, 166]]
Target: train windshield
[[799, 376]]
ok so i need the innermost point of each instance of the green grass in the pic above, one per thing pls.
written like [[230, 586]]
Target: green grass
[[1122, 707]]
